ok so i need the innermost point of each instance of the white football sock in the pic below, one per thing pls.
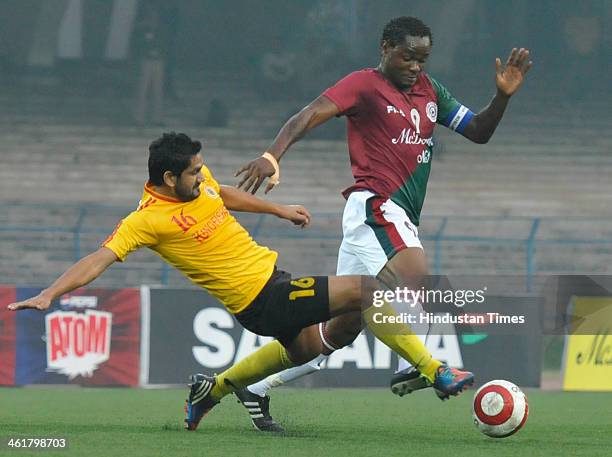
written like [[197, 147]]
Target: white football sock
[[290, 374]]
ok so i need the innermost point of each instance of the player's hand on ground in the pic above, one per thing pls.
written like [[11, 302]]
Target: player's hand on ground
[[255, 172], [509, 76], [39, 302], [295, 213]]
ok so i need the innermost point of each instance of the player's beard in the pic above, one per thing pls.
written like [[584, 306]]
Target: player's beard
[[186, 194]]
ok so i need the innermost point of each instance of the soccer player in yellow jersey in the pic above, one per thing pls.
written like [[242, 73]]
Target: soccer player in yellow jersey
[[184, 217]]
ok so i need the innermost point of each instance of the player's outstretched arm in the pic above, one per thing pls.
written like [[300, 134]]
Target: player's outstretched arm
[[508, 79], [81, 273], [239, 200], [255, 172]]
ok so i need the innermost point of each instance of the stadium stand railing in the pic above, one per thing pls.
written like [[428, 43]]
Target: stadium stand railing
[[39, 241]]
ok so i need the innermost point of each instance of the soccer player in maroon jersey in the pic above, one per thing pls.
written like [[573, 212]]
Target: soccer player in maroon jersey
[[391, 112]]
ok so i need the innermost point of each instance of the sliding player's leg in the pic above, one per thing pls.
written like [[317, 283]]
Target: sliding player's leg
[[334, 334], [207, 391], [286, 309]]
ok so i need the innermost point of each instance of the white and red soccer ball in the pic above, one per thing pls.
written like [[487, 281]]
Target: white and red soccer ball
[[500, 409]]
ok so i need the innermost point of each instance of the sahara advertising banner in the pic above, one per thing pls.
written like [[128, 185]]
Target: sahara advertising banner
[[88, 337], [191, 332]]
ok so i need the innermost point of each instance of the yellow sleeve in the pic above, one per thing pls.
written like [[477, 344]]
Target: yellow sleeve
[[130, 234], [210, 180]]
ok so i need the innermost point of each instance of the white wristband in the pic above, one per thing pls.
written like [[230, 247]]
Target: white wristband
[[275, 178]]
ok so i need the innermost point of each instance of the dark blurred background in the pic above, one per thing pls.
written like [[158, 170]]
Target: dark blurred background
[[93, 45]]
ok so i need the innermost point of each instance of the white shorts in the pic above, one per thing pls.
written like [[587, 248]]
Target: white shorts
[[374, 230]]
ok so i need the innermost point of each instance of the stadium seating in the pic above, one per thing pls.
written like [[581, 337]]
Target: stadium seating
[[65, 152]]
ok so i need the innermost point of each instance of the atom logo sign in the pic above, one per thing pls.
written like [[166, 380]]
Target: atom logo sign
[[77, 343]]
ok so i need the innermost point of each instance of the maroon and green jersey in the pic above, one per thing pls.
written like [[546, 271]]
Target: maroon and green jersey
[[390, 133]]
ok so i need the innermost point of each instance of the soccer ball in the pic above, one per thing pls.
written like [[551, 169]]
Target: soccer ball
[[500, 409]]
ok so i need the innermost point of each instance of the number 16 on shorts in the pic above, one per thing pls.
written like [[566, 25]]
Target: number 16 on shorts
[[305, 286]]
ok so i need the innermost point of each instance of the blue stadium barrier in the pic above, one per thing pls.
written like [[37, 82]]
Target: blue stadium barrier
[[264, 226]]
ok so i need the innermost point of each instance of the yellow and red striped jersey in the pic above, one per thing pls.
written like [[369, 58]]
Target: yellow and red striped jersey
[[201, 239]]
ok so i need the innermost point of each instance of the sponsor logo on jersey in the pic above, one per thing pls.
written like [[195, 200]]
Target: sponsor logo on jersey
[[424, 157], [393, 110], [211, 225], [77, 343], [409, 136]]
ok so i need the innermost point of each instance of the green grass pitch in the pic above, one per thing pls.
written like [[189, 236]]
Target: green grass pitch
[[334, 422]]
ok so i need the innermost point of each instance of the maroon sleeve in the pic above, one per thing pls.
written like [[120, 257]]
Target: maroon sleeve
[[346, 93]]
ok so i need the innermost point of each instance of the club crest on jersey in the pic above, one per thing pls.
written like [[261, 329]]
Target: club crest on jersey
[[211, 192], [432, 111], [77, 343]]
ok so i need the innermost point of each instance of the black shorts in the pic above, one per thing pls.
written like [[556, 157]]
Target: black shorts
[[285, 306]]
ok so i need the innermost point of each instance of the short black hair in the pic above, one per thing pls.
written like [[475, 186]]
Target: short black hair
[[171, 152], [397, 29]]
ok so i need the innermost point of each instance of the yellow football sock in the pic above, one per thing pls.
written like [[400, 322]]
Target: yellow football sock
[[267, 360], [401, 339]]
